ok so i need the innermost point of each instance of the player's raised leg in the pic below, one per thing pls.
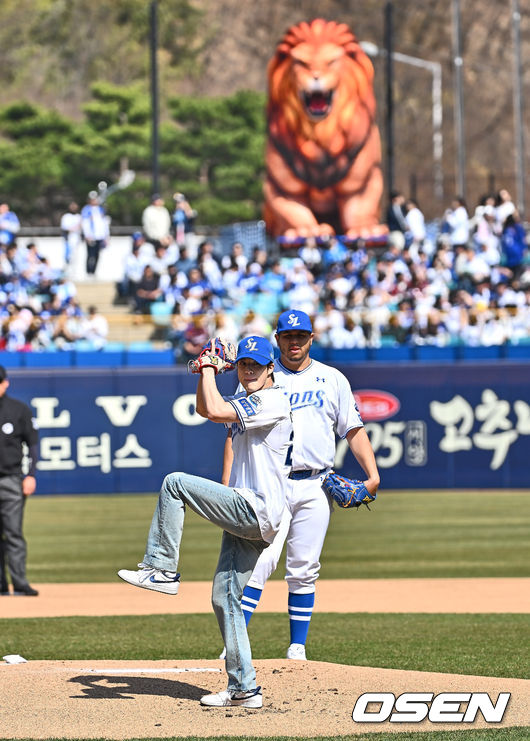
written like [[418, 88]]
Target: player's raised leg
[[219, 504]]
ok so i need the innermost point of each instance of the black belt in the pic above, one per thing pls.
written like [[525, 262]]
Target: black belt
[[305, 473]]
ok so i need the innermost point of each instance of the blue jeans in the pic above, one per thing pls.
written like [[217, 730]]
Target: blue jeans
[[241, 547]]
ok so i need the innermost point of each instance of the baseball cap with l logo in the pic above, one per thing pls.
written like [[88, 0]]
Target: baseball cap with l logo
[[292, 319], [256, 348]]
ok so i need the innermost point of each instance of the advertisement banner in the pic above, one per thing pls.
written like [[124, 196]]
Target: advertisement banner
[[431, 426]]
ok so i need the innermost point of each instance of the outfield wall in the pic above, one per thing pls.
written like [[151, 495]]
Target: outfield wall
[[431, 425]]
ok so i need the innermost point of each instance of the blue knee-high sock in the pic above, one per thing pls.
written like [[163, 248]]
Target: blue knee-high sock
[[249, 601], [300, 611]]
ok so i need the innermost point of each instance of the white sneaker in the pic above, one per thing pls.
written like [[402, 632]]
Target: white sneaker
[[228, 698], [148, 577], [296, 651], [222, 655]]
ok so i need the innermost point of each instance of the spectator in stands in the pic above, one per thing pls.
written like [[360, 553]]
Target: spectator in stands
[[415, 224], [237, 254], [161, 260], [311, 256], [254, 324], [486, 233], [507, 296], [209, 266], [185, 262], [196, 336], [340, 286], [471, 268], [259, 257], [16, 330], [350, 335], [273, 281], [9, 225], [231, 276], [197, 283], [30, 266], [395, 219], [183, 218], [95, 328], [147, 291], [513, 243], [176, 332], [250, 280], [225, 327], [207, 247], [95, 228], [333, 252], [327, 320], [156, 222], [66, 329], [303, 296], [71, 231], [63, 289], [190, 304], [132, 270], [504, 207], [9, 267], [172, 284], [456, 219]]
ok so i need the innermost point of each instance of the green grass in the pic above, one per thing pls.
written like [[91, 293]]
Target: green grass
[[486, 645], [418, 534]]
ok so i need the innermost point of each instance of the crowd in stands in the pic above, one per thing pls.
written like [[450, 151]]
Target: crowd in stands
[[462, 279], [38, 305], [467, 280]]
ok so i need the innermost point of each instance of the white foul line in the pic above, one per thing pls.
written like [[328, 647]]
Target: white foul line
[[144, 670]]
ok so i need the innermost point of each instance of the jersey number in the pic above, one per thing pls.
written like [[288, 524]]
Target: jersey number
[[288, 457]]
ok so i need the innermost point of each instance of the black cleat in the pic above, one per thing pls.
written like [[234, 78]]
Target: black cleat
[[26, 591]]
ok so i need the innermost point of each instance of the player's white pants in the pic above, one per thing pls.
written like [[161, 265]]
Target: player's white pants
[[304, 525]]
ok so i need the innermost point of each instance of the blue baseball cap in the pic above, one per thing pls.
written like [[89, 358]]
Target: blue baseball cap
[[256, 348], [292, 319]]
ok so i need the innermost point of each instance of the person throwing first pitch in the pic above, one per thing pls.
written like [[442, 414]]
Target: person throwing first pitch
[[248, 510], [322, 404]]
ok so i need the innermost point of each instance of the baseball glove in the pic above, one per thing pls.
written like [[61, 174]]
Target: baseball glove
[[217, 354], [346, 492]]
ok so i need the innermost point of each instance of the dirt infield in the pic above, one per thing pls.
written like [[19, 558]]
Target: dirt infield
[[142, 699], [121, 700], [339, 595]]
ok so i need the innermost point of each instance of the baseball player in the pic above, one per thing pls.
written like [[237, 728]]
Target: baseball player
[[322, 404], [249, 509]]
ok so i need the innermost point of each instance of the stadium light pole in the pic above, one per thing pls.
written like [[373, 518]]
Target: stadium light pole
[[153, 46], [435, 68], [389, 88], [458, 64], [518, 108]]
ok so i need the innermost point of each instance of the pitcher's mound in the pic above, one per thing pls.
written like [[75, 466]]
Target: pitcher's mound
[[156, 699]]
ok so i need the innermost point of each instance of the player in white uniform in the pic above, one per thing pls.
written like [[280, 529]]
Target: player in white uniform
[[249, 509], [323, 406]]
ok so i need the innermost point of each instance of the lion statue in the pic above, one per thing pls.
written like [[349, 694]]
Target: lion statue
[[323, 155]]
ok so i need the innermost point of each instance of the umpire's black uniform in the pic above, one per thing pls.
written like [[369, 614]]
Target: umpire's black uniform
[[16, 427]]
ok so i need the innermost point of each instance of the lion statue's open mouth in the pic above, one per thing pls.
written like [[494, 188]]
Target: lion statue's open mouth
[[317, 103]]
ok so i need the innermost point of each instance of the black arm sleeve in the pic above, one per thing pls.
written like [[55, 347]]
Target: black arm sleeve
[[33, 458]]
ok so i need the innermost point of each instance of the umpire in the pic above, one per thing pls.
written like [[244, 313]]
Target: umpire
[[16, 427]]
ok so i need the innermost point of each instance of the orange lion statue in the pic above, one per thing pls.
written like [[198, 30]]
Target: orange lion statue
[[323, 155]]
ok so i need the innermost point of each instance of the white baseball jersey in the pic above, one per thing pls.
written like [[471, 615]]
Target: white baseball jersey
[[260, 442], [323, 405]]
